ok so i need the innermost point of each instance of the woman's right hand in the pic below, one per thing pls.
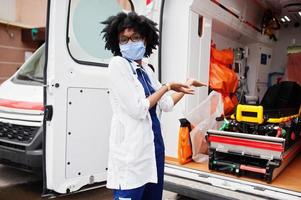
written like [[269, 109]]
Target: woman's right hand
[[180, 87]]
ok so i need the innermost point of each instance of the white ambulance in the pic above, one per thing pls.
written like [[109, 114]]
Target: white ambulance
[[21, 115]]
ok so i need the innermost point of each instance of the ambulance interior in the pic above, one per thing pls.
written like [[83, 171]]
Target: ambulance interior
[[266, 60]]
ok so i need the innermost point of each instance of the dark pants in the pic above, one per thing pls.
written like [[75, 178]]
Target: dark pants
[[149, 191]]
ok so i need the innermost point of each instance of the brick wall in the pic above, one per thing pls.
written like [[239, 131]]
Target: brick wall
[[12, 50], [25, 13]]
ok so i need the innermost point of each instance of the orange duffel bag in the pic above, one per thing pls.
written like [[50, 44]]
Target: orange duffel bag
[[222, 78], [184, 143], [224, 56]]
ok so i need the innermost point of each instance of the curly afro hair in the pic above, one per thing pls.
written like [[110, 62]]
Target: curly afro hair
[[142, 25]]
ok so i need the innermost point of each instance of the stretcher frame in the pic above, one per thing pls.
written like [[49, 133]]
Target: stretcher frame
[[259, 156]]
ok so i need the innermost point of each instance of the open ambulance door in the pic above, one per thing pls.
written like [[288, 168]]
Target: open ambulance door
[[76, 97]]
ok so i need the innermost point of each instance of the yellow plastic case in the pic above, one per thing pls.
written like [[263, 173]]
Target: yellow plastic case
[[242, 110]]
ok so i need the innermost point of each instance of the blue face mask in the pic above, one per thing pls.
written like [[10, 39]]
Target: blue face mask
[[132, 50]]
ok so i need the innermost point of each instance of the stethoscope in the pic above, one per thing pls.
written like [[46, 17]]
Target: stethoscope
[[147, 83]]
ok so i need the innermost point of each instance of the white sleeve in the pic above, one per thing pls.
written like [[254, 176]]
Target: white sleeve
[[123, 86], [166, 102]]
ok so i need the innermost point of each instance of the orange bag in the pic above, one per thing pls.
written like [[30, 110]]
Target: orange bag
[[222, 78], [184, 143], [229, 103], [224, 57]]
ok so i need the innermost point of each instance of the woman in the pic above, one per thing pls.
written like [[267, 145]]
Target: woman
[[136, 154]]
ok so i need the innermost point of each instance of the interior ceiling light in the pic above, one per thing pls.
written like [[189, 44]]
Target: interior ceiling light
[[282, 19], [299, 13], [287, 19]]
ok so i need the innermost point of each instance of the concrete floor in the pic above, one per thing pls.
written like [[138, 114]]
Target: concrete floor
[[20, 185]]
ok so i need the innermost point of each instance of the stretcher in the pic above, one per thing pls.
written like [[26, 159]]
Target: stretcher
[[259, 140]]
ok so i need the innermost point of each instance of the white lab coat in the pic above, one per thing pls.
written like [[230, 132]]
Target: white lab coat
[[132, 160]]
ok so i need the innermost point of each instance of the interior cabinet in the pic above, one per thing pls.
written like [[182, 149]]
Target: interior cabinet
[[259, 62]]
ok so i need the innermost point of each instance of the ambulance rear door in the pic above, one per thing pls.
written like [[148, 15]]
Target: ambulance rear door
[[76, 96]]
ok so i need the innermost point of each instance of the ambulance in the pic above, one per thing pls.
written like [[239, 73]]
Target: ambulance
[[62, 116]]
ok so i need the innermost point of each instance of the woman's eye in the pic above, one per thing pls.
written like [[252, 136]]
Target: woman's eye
[[136, 37], [123, 39]]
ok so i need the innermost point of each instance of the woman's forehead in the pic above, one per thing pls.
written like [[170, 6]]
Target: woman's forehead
[[128, 31]]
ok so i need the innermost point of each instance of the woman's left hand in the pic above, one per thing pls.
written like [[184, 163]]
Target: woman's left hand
[[195, 83], [180, 87]]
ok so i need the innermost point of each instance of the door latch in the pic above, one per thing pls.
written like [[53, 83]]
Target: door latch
[[48, 113]]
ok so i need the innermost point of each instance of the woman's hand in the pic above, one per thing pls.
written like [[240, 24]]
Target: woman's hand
[[180, 87], [195, 83]]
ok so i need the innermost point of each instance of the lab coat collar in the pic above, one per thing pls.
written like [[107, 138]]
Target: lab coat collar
[[136, 65]]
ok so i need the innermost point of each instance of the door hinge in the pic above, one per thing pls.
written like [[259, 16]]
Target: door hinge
[[48, 113]]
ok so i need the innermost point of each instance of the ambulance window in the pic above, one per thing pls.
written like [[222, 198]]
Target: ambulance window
[[85, 40]]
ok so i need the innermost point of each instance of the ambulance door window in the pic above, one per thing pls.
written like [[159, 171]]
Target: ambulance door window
[[85, 40]]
